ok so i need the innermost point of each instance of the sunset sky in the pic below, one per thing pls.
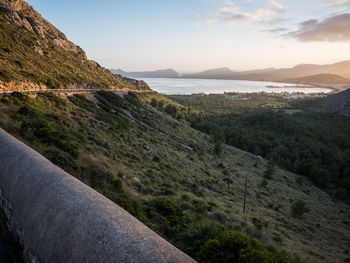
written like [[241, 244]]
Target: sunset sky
[[194, 35]]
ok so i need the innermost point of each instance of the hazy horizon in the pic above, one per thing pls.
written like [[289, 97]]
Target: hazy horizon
[[195, 35]]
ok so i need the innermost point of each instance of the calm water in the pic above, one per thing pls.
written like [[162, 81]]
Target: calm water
[[207, 86]]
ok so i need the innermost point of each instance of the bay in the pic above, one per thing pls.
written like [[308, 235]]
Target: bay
[[214, 86]]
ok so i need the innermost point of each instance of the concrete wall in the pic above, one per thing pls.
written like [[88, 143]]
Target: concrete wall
[[60, 219]]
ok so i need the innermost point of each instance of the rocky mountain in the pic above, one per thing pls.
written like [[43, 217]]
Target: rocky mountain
[[36, 55], [165, 73], [24, 15]]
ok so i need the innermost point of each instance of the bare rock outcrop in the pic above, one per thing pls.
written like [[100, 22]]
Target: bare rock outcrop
[[24, 15]]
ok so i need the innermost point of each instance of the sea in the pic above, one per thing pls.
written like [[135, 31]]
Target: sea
[[180, 86]]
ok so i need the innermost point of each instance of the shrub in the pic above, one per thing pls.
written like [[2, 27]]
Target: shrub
[[218, 148], [5, 76], [299, 208], [117, 185], [264, 183], [196, 230], [130, 204], [300, 180], [50, 83], [270, 170], [168, 209], [154, 103], [231, 247]]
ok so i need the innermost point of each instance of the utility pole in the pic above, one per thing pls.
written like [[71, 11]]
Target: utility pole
[[245, 193]]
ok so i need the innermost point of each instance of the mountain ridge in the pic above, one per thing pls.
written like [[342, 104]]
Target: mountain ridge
[[162, 73], [34, 54], [342, 69]]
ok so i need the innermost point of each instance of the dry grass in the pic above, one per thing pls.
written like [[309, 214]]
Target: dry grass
[[158, 153]]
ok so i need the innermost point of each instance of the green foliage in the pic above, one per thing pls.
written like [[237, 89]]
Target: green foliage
[[299, 208], [218, 148], [51, 124], [300, 180], [235, 247], [37, 125], [264, 183], [270, 170], [195, 231], [130, 204], [4, 76], [229, 102], [314, 144], [168, 209], [50, 84], [170, 107], [109, 109]]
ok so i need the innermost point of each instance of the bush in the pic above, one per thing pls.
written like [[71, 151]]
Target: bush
[[154, 103], [264, 183], [50, 83], [5, 76], [270, 170], [232, 247], [195, 232], [218, 148], [300, 180], [168, 209], [299, 208], [130, 204]]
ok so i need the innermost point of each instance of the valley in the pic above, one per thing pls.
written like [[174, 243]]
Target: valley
[[126, 143], [228, 166]]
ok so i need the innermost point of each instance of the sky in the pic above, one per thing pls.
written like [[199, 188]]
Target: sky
[[195, 35]]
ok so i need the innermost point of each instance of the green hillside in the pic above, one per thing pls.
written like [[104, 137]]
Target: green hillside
[[172, 178]]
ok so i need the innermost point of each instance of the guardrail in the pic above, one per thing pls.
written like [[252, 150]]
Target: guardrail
[[57, 218]]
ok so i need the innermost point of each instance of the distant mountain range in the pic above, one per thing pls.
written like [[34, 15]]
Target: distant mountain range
[[165, 73], [338, 73]]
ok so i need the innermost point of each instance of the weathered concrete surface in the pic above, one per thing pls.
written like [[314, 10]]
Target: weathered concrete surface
[[63, 220]]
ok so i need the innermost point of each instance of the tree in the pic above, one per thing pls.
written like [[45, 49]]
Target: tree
[[154, 103], [218, 148], [299, 208], [270, 170], [228, 181]]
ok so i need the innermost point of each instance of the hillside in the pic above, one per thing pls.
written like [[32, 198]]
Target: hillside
[[339, 103], [323, 78], [226, 73], [341, 68], [165, 73], [36, 55], [176, 180], [103, 139]]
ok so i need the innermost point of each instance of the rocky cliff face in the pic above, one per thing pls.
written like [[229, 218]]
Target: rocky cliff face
[[24, 15]]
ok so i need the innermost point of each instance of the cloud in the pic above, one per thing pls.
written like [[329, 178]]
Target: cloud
[[276, 30], [231, 14], [332, 29], [335, 3]]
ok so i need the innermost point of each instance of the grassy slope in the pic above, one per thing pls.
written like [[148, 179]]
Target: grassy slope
[[156, 156], [20, 60]]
